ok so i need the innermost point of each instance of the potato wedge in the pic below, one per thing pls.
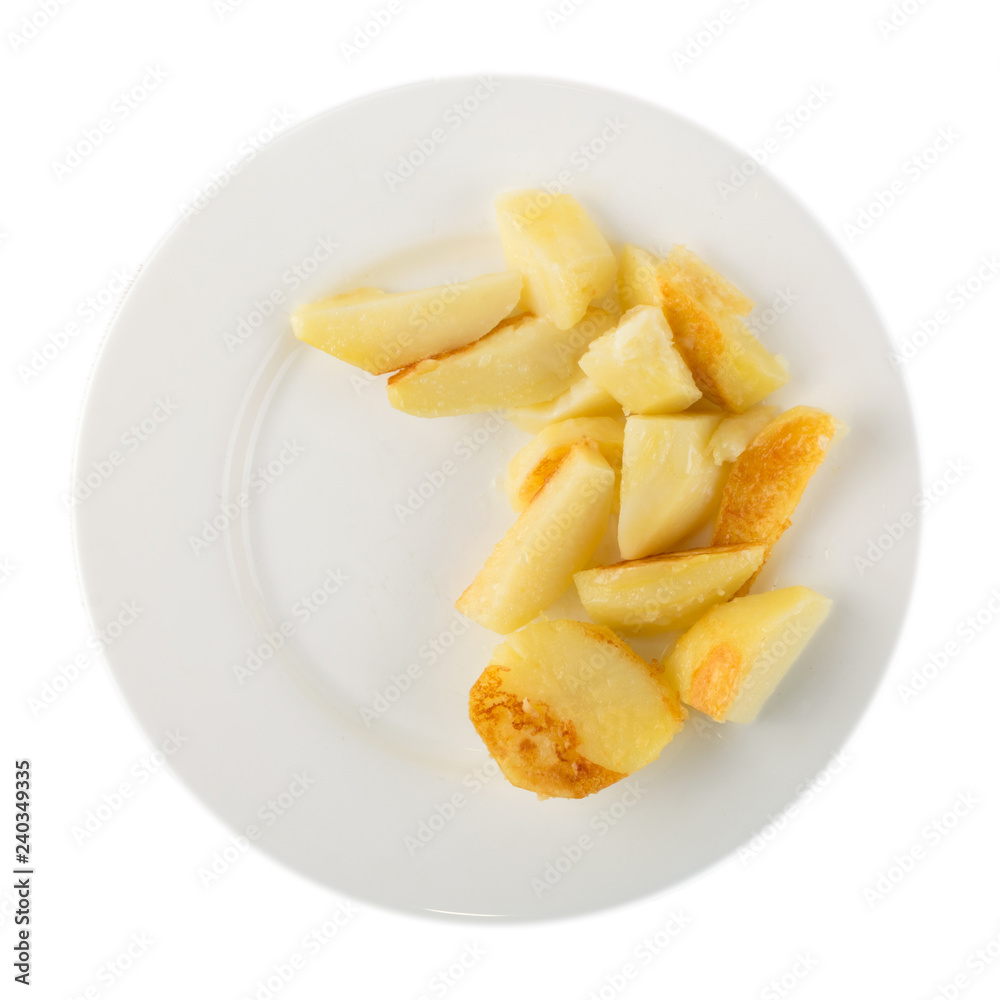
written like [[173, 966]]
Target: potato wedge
[[731, 660], [767, 481], [734, 434], [537, 460], [662, 593], [565, 260], [639, 365], [729, 364], [380, 332], [689, 272], [553, 537], [583, 398], [524, 360], [669, 481], [638, 279], [566, 709]]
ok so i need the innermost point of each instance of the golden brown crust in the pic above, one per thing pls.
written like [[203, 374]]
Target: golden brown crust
[[716, 680], [542, 473], [499, 328], [535, 749], [699, 339], [767, 481]]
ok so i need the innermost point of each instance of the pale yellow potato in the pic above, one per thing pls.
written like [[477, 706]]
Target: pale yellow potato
[[731, 660], [566, 708], [583, 398], [552, 539], [711, 289], [669, 483], [638, 279], [525, 360], [662, 593], [639, 365], [768, 479], [380, 332], [567, 264], [538, 459], [735, 433]]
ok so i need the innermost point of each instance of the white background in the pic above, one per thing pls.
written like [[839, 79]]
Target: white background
[[822, 906]]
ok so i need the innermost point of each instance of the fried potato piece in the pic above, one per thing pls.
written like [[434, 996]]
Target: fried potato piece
[[661, 593], [537, 460], [734, 434], [731, 660], [380, 333], [638, 279], [767, 481], [567, 264], [639, 365], [553, 537], [522, 361], [670, 483], [689, 272], [566, 708], [729, 364]]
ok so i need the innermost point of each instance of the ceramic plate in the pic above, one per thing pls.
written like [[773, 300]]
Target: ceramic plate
[[291, 547]]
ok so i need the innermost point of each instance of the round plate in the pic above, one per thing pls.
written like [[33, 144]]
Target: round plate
[[273, 552]]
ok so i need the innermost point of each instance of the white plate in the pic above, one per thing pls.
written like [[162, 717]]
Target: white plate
[[403, 809]]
